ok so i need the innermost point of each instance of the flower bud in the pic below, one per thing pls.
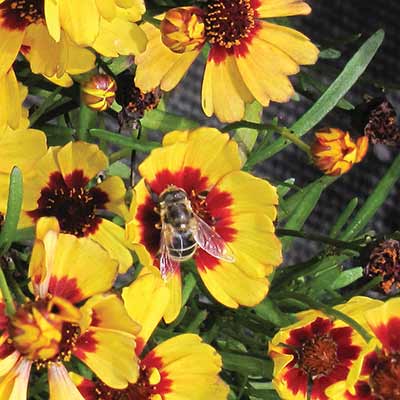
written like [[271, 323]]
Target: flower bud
[[99, 92], [335, 152], [183, 30], [384, 261]]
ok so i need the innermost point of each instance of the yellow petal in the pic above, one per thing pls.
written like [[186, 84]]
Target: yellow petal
[[107, 9], [111, 356], [119, 37], [174, 285], [61, 386], [14, 386], [10, 43], [81, 156], [282, 8], [52, 15], [11, 110], [112, 238], [116, 191], [80, 19], [146, 300]]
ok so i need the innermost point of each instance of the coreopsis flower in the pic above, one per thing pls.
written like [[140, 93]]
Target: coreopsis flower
[[376, 373], [248, 59], [12, 94], [335, 152], [230, 213], [181, 367], [384, 261], [51, 329], [316, 352], [22, 148], [60, 186], [98, 93]]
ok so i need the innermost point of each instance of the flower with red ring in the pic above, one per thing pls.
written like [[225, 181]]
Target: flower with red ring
[[239, 207], [70, 315], [61, 186], [249, 58], [317, 351], [181, 367], [376, 374]]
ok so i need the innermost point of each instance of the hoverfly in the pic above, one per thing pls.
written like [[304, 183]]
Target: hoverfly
[[182, 231]]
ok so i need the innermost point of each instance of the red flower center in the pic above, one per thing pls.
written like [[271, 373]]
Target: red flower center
[[385, 378], [18, 14], [228, 22], [72, 203], [318, 356]]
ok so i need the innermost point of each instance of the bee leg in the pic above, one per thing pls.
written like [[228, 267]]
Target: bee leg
[[158, 226], [156, 210]]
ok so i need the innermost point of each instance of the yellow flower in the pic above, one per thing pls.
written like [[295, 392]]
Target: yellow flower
[[248, 59], [47, 331], [236, 212], [376, 374], [58, 187], [182, 367], [335, 152], [317, 351]]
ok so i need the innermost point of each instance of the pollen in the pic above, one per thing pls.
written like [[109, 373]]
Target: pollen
[[318, 356], [18, 14], [229, 23]]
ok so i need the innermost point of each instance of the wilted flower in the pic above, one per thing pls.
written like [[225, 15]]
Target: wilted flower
[[384, 261], [335, 152], [249, 58], [59, 187], [98, 93], [48, 330], [378, 120], [229, 208], [317, 351], [181, 367]]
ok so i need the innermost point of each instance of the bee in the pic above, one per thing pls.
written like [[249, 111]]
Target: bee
[[183, 231]]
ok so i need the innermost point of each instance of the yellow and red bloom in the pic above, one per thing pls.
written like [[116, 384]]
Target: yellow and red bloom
[[182, 367], [49, 330], [239, 207], [249, 58], [317, 351], [335, 152], [59, 187], [376, 374]]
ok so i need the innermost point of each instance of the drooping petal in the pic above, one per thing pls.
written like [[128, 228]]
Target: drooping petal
[[146, 300], [61, 386], [52, 15], [14, 386], [9, 47]]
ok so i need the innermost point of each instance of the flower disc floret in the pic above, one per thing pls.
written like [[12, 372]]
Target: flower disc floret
[[18, 14]]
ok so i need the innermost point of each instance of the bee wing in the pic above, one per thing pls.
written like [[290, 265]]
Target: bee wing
[[168, 266], [210, 241]]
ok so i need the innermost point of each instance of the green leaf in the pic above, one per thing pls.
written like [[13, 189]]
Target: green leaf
[[374, 201], [269, 311], [14, 205], [119, 169], [47, 103], [343, 218], [342, 84], [247, 365], [123, 141], [347, 277], [329, 54], [188, 286], [165, 122]]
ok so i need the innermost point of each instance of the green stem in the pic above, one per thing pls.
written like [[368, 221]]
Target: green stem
[[19, 294], [336, 314], [49, 101], [5, 290], [86, 118], [317, 238], [118, 155]]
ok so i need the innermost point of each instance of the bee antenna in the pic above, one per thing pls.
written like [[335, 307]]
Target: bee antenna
[[153, 195]]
